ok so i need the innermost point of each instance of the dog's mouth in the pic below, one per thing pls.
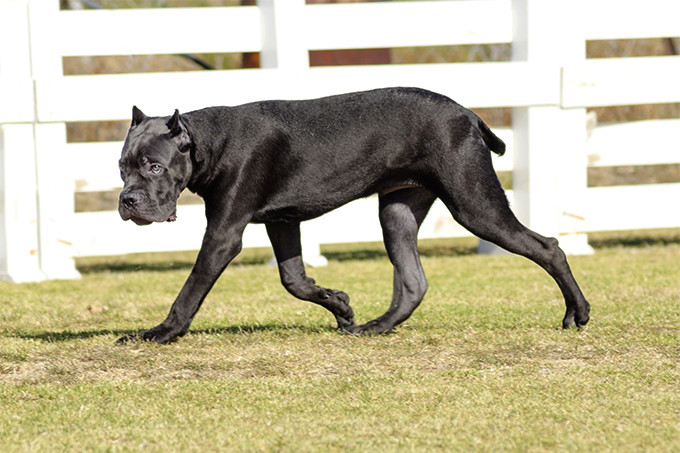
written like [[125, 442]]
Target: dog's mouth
[[140, 221], [147, 220]]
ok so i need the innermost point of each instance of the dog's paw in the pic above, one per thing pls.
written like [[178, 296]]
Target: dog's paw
[[338, 302], [344, 322], [128, 338], [576, 318], [374, 327], [158, 334]]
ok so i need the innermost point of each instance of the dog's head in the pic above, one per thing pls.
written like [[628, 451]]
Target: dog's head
[[155, 166]]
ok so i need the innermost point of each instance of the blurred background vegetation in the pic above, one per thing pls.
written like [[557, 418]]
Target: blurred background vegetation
[[115, 130]]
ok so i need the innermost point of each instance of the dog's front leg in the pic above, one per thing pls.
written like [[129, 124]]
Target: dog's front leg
[[220, 246]]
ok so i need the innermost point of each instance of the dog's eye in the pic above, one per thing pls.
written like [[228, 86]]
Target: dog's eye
[[155, 169]]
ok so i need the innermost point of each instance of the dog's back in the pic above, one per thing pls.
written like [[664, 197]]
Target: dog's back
[[353, 145]]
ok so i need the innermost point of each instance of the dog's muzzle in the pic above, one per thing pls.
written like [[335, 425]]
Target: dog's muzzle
[[135, 206]]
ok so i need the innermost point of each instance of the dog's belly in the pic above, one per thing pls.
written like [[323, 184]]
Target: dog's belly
[[298, 206], [304, 207], [288, 214]]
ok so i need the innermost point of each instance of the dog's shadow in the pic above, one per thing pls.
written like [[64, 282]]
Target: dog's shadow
[[68, 335]]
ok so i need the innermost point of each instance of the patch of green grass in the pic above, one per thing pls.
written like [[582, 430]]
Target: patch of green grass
[[482, 365]]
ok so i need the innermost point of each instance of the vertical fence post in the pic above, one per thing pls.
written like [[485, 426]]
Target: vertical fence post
[[573, 155], [19, 259], [549, 173], [284, 49], [282, 46], [56, 206]]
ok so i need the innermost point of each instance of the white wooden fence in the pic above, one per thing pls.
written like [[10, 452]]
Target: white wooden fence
[[549, 83]]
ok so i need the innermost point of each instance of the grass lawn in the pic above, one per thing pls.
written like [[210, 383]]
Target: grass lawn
[[482, 365]]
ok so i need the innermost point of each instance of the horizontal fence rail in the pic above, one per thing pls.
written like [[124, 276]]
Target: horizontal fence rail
[[152, 31], [474, 85], [621, 81], [447, 23], [549, 84]]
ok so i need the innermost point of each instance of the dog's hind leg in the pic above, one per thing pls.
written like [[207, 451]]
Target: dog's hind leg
[[285, 238], [401, 213], [476, 200]]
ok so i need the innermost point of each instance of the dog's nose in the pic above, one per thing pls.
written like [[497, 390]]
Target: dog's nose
[[129, 199]]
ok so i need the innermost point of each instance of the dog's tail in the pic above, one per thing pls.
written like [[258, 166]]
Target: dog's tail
[[494, 143]]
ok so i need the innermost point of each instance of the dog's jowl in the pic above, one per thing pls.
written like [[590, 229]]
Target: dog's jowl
[[283, 162]]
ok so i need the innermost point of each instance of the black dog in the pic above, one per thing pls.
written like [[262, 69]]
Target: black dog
[[283, 162]]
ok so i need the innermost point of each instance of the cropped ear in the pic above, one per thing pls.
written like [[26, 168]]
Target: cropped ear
[[137, 116], [178, 132]]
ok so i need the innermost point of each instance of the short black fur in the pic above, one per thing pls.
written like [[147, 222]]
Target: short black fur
[[284, 162]]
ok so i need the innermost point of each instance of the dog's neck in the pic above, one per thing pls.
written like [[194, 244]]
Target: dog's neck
[[208, 143]]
